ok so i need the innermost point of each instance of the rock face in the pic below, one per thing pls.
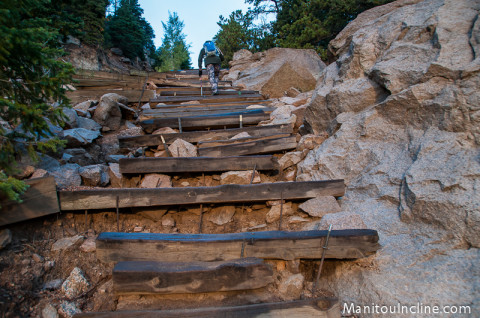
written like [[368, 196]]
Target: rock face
[[401, 107], [275, 71]]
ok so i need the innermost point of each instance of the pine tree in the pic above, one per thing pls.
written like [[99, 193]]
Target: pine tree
[[129, 31], [236, 33], [173, 54], [313, 23], [32, 87]]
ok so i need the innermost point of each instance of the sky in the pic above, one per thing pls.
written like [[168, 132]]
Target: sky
[[199, 16]]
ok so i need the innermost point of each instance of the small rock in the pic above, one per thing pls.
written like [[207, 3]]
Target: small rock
[[94, 175], [311, 141], [222, 215], [168, 221], [185, 184], [53, 284], [68, 309], [320, 206], [274, 213], [39, 173], [5, 238], [86, 105], [291, 288], [181, 148], [80, 136], [241, 135], [89, 246], [67, 242], [145, 106], [164, 131], [156, 180], [67, 176], [75, 285], [89, 124], [137, 229], [290, 159], [239, 177], [290, 175], [49, 312], [37, 258], [72, 117]]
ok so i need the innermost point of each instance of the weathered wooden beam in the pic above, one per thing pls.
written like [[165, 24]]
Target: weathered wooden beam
[[342, 244], [229, 193], [215, 143], [203, 122], [205, 112], [133, 95], [308, 308], [199, 93], [262, 102], [193, 111], [205, 88], [250, 148], [40, 199], [190, 277], [197, 164], [205, 99], [197, 136]]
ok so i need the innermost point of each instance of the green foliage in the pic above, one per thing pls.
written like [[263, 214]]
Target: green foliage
[[313, 23], [11, 188], [239, 32], [84, 19], [129, 31], [32, 77], [173, 54]]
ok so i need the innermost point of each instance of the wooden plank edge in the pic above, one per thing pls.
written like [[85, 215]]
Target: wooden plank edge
[[325, 308]]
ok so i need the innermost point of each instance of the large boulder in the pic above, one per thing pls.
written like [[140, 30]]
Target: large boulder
[[108, 113], [275, 71], [401, 105], [67, 176]]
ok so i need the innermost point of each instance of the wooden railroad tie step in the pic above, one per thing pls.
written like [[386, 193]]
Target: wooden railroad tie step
[[204, 122], [207, 92], [308, 308], [201, 114], [229, 193], [196, 164], [262, 146], [186, 112], [205, 99], [263, 102], [197, 136], [40, 199], [190, 277], [342, 244]]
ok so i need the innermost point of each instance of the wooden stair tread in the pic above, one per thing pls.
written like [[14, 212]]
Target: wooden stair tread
[[194, 137], [204, 122], [150, 277], [105, 198], [342, 244], [308, 308], [253, 147], [197, 164]]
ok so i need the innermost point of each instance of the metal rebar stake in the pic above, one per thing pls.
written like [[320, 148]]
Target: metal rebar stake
[[86, 219], [325, 248], [281, 211], [200, 223], [118, 214]]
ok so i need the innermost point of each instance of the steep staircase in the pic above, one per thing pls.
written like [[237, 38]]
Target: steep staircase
[[200, 264]]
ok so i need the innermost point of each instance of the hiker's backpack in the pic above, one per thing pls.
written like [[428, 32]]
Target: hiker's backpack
[[210, 49]]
